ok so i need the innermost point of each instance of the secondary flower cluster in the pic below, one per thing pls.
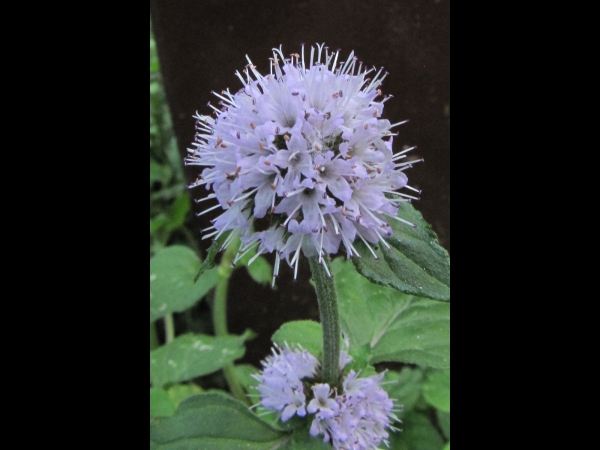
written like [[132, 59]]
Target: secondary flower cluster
[[300, 159], [355, 419]]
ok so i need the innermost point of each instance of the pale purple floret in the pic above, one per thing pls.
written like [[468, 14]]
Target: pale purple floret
[[305, 150], [280, 384], [363, 415]]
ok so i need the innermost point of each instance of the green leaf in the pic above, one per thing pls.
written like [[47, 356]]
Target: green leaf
[[418, 434], [405, 387], [437, 390], [396, 327], [215, 422], [261, 271], [415, 265], [306, 333], [209, 262], [179, 212], [243, 373], [192, 356], [157, 223], [159, 173], [172, 287], [160, 403]]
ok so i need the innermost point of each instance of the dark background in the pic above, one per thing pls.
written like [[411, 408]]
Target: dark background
[[201, 43]]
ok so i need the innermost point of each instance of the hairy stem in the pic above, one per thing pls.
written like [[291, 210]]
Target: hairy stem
[[330, 321]]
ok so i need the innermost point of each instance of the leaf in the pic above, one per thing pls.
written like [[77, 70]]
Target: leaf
[[405, 387], [447, 446], [192, 356], [160, 403], [418, 433], [397, 327], [437, 390], [243, 373], [261, 271], [159, 173], [415, 265], [172, 287], [179, 212], [215, 422], [306, 333], [209, 262]]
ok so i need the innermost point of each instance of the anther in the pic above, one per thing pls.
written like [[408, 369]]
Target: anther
[[252, 126]]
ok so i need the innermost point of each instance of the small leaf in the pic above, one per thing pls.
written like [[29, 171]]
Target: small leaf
[[209, 262], [415, 265], [437, 390], [172, 287], [261, 271], [306, 333], [215, 422], [192, 356]]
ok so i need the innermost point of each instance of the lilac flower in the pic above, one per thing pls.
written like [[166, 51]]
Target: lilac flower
[[355, 419], [280, 384], [304, 148], [364, 413]]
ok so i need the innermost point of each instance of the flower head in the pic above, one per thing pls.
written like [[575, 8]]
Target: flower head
[[305, 150], [280, 384], [363, 414], [356, 418]]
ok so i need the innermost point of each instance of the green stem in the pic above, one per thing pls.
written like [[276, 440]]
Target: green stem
[[169, 329], [330, 321], [220, 317]]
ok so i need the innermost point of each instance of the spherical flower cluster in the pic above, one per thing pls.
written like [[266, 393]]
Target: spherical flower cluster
[[281, 386], [300, 159], [355, 419]]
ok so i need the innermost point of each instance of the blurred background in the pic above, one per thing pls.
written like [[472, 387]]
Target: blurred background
[[200, 45]]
